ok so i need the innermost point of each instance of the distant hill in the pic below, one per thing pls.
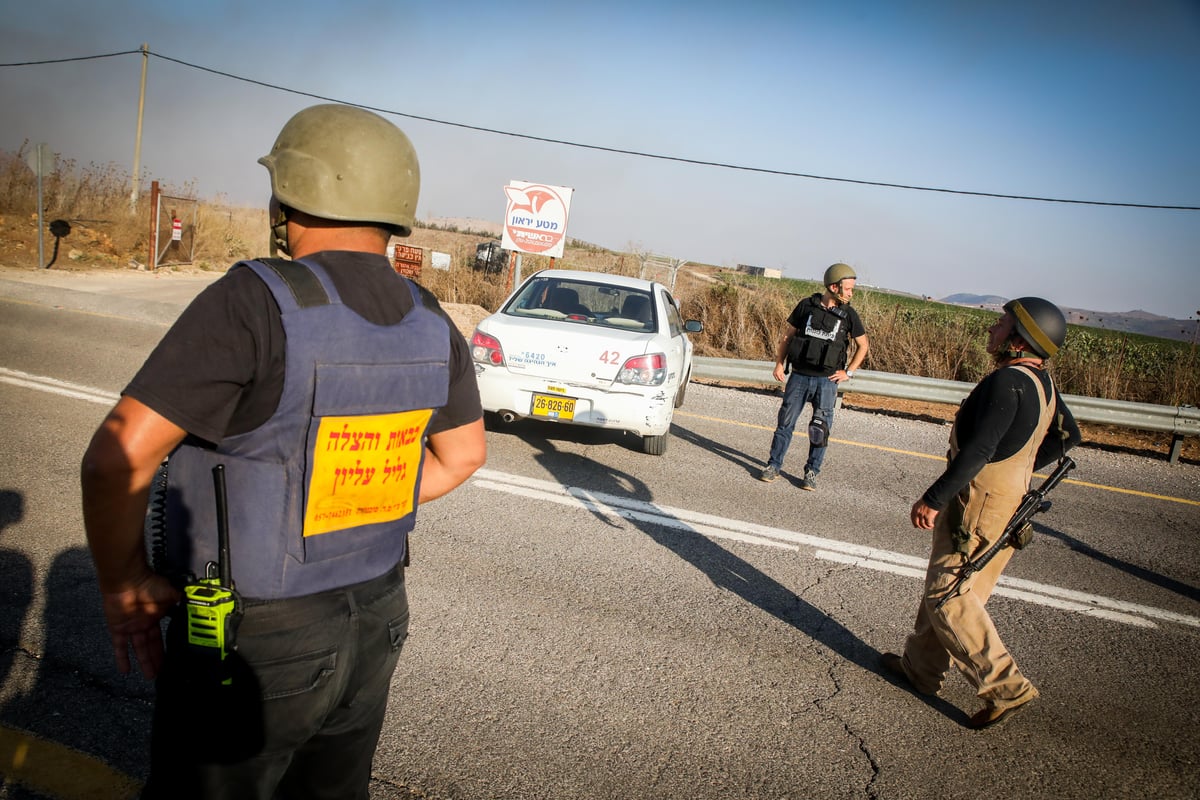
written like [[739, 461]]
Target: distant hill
[[1138, 321], [990, 301]]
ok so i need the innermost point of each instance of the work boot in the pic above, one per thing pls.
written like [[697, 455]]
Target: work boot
[[769, 474], [987, 717], [894, 665]]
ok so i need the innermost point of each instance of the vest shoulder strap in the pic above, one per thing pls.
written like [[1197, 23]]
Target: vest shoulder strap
[[1048, 397], [305, 287]]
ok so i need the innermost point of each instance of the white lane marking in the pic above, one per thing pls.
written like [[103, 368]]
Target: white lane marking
[[614, 506], [1032, 597], [54, 386], [614, 512]]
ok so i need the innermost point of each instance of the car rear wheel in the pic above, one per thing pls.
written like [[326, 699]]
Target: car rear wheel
[[654, 445]]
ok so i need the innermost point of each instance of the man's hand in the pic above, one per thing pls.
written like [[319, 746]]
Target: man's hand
[[923, 516], [115, 476], [133, 617], [778, 373]]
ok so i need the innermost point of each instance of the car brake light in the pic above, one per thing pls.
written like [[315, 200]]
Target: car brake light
[[486, 349], [648, 370]]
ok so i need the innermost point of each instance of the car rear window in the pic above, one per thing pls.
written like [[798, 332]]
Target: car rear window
[[583, 302]]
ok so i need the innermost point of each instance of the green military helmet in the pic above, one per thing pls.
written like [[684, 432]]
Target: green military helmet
[[837, 273], [1040, 324], [348, 164]]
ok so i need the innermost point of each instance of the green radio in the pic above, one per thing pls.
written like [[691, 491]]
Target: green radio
[[213, 606]]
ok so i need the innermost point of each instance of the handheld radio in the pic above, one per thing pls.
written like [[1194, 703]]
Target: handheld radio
[[213, 607]]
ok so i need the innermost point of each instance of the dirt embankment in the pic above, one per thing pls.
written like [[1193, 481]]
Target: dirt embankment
[[465, 317]]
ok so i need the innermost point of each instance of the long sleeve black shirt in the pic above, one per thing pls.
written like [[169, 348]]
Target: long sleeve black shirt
[[994, 422]]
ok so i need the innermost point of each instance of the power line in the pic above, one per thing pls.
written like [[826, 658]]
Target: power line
[[67, 60], [620, 151]]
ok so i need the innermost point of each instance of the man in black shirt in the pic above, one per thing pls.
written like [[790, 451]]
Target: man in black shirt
[[816, 346], [337, 396], [1013, 422]]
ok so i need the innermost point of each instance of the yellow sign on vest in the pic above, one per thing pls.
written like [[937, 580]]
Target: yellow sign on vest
[[364, 470]]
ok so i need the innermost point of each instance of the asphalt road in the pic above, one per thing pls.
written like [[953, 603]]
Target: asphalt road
[[591, 622]]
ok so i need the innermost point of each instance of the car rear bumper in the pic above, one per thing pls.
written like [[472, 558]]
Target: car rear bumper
[[644, 410]]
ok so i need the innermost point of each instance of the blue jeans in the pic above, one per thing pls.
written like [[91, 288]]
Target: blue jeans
[[300, 716], [802, 390]]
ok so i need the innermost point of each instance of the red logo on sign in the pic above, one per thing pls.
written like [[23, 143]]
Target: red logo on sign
[[536, 219]]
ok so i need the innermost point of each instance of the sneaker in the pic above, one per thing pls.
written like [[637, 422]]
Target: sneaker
[[809, 483], [769, 474]]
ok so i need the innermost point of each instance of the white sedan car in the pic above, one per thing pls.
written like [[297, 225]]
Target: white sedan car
[[587, 348]]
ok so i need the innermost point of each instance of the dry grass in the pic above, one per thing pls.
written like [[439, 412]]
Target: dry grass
[[743, 316], [106, 229]]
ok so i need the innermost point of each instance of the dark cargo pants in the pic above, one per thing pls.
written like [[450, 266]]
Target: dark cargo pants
[[302, 710]]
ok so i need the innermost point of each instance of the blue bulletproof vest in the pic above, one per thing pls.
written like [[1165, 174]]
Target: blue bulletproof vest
[[324, 493]]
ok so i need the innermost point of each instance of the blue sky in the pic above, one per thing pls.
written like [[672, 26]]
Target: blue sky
[[1095, 100]]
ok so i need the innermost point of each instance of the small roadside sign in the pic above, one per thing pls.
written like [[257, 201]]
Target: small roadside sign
[[407, 260]]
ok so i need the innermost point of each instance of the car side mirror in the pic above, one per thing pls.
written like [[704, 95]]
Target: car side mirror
[[693, 326]]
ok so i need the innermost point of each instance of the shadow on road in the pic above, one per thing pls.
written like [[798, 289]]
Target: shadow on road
[[65, 702], [726, 570], [722, 567], [752, 466], [1083, 548], [16, 587]]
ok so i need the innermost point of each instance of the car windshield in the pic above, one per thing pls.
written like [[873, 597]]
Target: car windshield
[[585, 303]]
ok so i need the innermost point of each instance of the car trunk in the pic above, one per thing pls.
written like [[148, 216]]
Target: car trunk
[[564, 351]]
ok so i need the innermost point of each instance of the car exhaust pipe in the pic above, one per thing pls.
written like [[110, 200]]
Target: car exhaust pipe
[[508, 416]]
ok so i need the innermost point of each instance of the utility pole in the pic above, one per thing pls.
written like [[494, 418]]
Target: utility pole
[[137, 142]]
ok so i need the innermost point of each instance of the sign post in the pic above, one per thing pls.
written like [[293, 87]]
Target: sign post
[[40, 159]]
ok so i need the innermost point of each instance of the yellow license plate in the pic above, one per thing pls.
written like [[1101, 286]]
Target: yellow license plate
[[548, 405]]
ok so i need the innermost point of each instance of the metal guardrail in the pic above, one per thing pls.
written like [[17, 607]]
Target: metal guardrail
[[1179, 421]]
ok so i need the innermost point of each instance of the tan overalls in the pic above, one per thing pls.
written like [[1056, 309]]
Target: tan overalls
[[961, 630]]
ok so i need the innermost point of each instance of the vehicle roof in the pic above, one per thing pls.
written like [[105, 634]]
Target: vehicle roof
[[596, 277]]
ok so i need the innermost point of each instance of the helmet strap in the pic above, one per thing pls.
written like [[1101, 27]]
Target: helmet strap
[[1017, 349], [279, 236]]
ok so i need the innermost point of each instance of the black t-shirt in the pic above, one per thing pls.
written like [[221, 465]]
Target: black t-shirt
[[219, 370], [852, 328], [994, 422]]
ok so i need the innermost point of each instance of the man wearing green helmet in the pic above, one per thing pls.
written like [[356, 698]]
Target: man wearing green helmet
[[337, 396], [815, 347], [1012, 423]]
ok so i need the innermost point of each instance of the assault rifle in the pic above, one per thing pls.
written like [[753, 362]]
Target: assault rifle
[[1019, 530]]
